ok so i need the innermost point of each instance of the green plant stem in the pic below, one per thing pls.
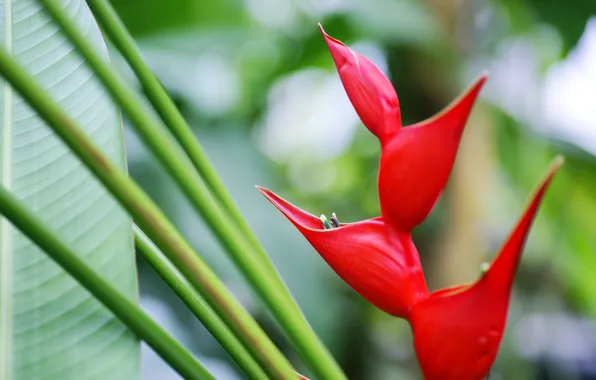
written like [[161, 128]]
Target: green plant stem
[[197, 305], [246, 253], [127, 311], [172, 118], [166, 109], [150, 218]]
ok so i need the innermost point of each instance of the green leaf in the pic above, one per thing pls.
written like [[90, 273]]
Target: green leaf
[[50, 327]]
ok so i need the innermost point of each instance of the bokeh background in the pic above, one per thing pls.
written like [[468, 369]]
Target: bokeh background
[[256, 82]]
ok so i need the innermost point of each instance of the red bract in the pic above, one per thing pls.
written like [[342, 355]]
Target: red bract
[[416, 162], [457, 331], [382, 265], [370, 92]]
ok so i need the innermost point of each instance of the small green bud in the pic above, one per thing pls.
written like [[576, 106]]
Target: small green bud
[[325, 222], [334, 220]]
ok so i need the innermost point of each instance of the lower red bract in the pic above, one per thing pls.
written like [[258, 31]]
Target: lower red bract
[[457, 336], [457, 331]]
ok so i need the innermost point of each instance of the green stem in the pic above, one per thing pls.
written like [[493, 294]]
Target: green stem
[[246, 252], [127, 311], [170, 115], [150, 218], [196, 304]]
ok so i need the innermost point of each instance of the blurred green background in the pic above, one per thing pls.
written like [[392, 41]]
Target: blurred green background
[[255, 80]]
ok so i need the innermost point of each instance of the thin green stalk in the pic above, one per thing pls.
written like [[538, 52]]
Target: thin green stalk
[[197, 305], [259, 273], [150, 218], [111, 24], [173, 119], [124, 309]]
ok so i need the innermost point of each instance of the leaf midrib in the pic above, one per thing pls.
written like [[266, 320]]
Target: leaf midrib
[[5, 227]]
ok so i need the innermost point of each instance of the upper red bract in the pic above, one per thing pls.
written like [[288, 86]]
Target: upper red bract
[[371, 93], [458, 330]]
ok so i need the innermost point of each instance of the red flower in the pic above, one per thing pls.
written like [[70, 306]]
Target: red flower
[[457, 331]]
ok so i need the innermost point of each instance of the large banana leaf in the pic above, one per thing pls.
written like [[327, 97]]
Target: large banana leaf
[[50, 327]]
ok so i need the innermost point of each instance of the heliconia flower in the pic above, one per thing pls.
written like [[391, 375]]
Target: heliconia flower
[[415, 161], [379, 263], [376, 257], [457, 331]]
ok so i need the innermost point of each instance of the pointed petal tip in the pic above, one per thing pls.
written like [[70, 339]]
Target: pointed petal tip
[[556, 164], [470, 93], [462, 105], [475, 87], [263, 190], [331, 41], [270, 195], [483, 77], [266, 193], [553, 168], [300, 218]]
